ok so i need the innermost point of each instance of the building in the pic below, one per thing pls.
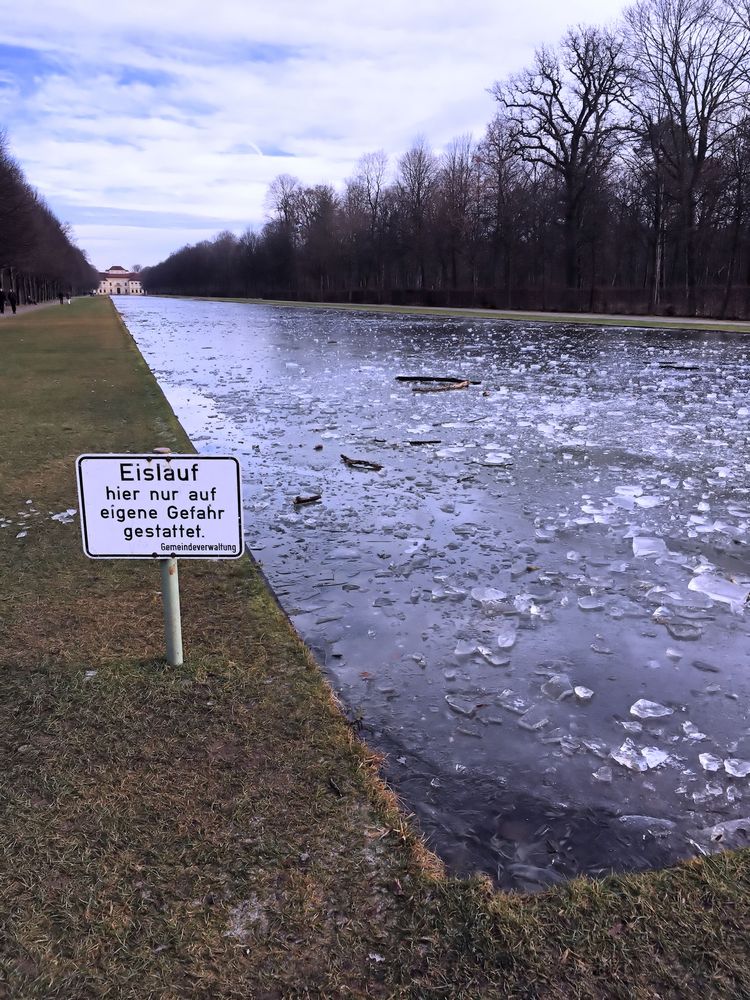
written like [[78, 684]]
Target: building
[[117, 281]]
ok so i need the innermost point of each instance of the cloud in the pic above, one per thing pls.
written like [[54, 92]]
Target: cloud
[[192, 109]]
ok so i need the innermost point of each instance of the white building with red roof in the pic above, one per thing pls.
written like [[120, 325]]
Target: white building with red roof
[[117, 280]]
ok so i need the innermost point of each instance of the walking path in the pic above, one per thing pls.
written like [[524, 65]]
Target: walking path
[[20, 310]]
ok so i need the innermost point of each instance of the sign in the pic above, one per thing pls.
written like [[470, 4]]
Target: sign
[[160, 506]]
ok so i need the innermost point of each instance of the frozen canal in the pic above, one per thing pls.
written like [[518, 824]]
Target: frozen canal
[[537, 606]]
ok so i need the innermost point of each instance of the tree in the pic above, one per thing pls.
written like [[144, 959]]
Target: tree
[[417, 175], [690, 60], [562, 112]]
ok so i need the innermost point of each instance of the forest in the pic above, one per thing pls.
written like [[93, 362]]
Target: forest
[[38, 258], [613, 177]]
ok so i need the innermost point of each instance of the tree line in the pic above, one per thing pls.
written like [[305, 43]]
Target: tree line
[[38, 258], [614, 177]]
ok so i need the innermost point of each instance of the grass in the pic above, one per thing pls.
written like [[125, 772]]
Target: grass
[[516, 315], [216, 831]]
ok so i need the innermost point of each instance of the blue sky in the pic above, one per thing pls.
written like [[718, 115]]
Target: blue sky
[[147, 126]]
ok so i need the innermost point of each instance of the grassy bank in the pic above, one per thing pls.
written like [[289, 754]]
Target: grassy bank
[[216, 831], [516, 315]]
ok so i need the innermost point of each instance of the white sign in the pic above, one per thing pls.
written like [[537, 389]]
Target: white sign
[[160, 506]]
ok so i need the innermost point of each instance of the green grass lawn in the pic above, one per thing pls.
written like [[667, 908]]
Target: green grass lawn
[[216, 831]]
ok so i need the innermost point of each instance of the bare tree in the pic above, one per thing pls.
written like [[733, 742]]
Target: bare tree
[[417, 176], [690, 61], [562, 112], [457, 170]]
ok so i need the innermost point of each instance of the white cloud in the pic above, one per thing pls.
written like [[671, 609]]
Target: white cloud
[[158, 108]]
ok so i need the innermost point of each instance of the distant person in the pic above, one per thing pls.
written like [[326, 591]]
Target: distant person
[[68, 298], [61, 297], [13, 299], [2, 300]]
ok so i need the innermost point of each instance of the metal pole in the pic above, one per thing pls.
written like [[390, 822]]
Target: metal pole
[[170, 595]]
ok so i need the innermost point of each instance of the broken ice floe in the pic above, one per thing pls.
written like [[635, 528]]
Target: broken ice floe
[[644, 709], [575, 420], [718, 589], [649, 546], [635, 759]]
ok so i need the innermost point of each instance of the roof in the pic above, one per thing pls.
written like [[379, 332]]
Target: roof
[[119, 275]]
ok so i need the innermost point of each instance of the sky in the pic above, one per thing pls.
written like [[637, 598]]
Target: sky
[[148, 125]]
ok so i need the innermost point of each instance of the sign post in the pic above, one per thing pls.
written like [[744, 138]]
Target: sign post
[[161, 506], [170, 596], [170, 601]]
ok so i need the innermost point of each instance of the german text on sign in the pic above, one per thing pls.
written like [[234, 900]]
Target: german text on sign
[[159, 506]]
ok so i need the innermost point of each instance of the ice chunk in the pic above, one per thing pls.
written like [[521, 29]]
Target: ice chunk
[[603, 774], [693, 733], [629, 756], [557, 687], [461, 705], [648, 502], [583, 694], [628, 491], [709, 762], [631, 727], [685, 631], [65, 516], [738, 829], [494, 659], [590, 603], [488, 597], [535, 718], [718, 589], [506, 638], [464, 648], [648, 546], [654, 757], [644, 709], [737, 768], [448, 593], [653, 824]]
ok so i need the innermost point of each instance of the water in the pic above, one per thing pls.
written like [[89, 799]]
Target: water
[[497, 606]]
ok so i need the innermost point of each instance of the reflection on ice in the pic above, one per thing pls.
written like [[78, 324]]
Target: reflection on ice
[[523, 605]]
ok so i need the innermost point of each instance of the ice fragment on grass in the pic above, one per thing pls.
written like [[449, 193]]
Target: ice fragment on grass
[[644, 709], [65, 516]]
